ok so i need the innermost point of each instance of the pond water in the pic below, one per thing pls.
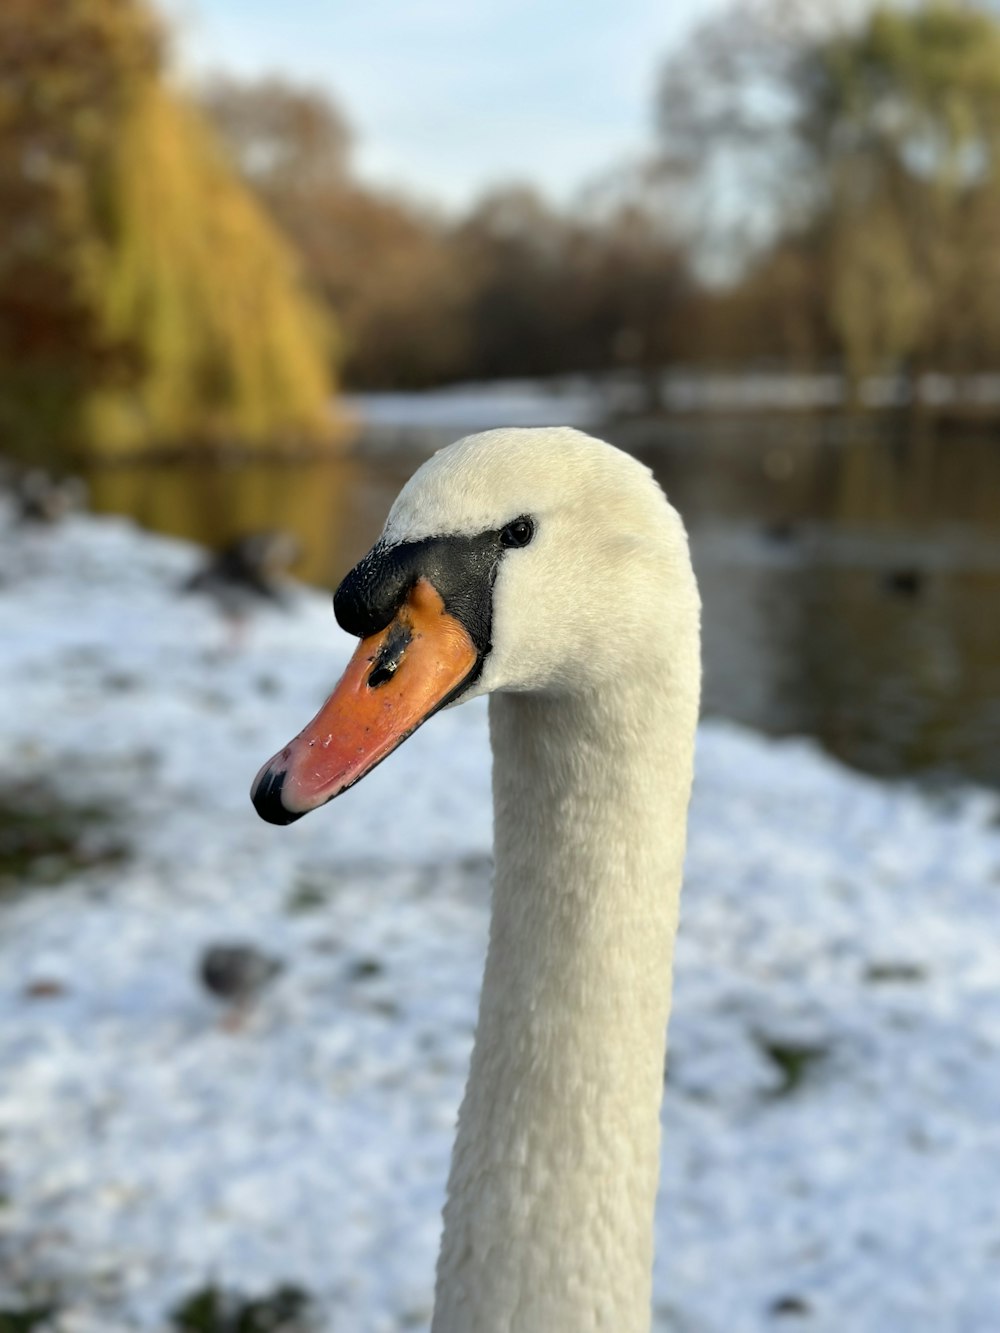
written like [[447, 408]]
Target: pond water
[[850, 571]]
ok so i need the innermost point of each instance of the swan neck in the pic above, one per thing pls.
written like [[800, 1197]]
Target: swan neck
[[549, 1218]]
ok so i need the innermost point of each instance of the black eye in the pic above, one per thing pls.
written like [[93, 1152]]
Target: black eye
[[517, 533]]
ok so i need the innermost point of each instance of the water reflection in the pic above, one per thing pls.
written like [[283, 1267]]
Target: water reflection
[[332, 505], [850, 577], [850, 574]]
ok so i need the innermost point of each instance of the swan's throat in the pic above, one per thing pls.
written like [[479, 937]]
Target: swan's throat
[[549, 1220]]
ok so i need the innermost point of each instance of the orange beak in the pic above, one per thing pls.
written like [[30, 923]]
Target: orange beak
[[394, 682]]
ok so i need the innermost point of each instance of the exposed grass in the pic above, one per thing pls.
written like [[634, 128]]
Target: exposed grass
[[288, 1309], [793, 1060], [306, 896], [45, 839], [24, 1320], [906, 973], [791, 1306], [364, 969]]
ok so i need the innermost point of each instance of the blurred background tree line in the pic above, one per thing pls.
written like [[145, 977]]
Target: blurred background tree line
[[821, 193]]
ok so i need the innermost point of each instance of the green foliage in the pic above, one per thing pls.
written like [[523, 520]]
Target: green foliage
[[145, 301]]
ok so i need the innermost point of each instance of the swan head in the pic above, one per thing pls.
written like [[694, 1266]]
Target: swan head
[[538, 560]]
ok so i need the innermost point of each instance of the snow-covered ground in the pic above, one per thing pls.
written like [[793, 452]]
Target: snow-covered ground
[[832, 1118]]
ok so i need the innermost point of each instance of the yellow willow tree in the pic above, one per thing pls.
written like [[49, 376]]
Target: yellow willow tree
[[145, 300]]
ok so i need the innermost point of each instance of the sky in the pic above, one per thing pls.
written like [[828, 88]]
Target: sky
[[447, 98]]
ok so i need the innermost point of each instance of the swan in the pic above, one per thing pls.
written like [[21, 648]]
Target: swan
[[546, 569]]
